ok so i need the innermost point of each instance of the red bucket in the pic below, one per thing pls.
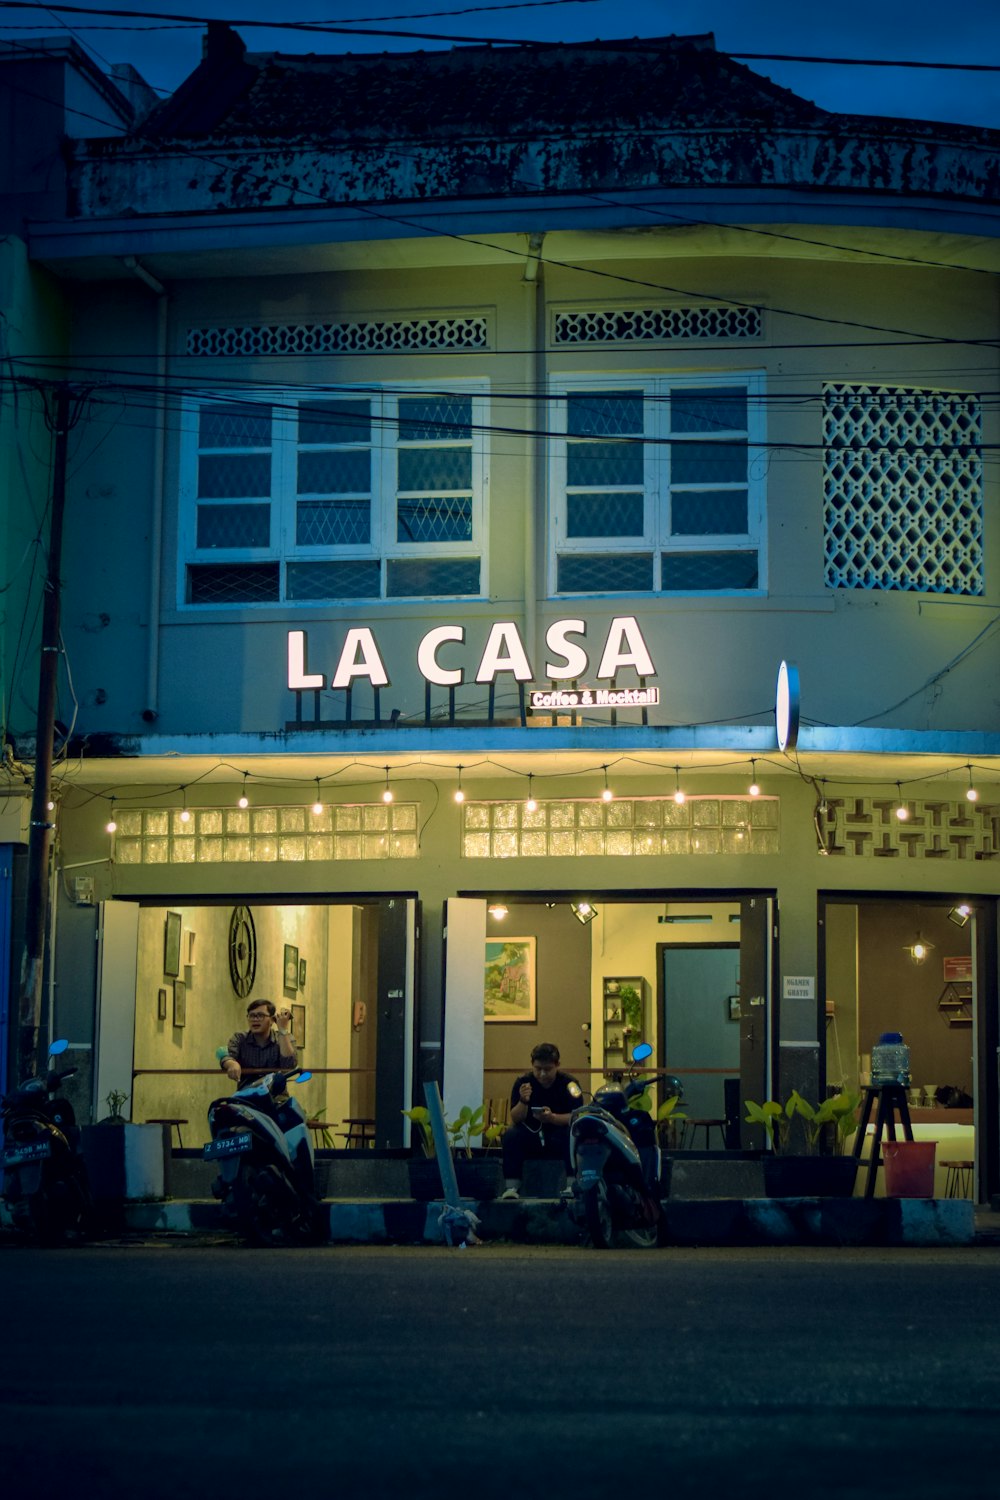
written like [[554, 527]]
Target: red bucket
[[909, 1168]]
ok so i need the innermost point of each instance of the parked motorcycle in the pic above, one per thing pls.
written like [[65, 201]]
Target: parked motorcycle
[[45, 1184], [616, 1159], [266, 1162]]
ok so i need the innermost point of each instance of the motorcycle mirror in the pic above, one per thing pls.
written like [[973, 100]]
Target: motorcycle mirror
[[302, 1077], [57, 1047], [640, 1053]]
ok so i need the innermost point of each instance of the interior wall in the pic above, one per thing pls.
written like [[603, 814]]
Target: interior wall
[[843, 1062]]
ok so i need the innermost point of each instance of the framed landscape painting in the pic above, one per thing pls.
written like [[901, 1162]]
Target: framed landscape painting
[[509, 991]]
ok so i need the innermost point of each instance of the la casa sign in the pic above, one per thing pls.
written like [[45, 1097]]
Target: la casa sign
[[567, 656]]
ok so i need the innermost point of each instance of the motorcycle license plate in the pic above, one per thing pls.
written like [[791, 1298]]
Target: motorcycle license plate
[[16, 1156], [228, 1145]]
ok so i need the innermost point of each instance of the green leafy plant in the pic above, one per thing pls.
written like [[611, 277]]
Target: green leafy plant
[[838, 1110], [469, 1123], [115, 1101], [668, 1116], [631, 1004], [326, 1128], [775, 1120], [420, 1116]]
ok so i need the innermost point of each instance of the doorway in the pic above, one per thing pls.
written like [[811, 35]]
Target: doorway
[[699, 986]]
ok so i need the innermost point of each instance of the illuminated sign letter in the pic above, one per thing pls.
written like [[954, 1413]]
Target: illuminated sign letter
[[298, 677], [624, 633], [359, 658], [575, 664], [427, 662], [504, 635]]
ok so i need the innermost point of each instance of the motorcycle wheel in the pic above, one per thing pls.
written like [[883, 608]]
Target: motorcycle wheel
[[597, 1215], [641, 1238]]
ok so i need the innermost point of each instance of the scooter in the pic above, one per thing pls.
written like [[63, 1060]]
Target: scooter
[[616, 1160], [45, 1183], [267, 1178]]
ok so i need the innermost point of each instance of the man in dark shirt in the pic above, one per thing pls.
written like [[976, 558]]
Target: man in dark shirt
[[542, 1103], [268, 1045]]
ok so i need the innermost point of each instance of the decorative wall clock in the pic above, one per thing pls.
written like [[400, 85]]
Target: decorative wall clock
[[242, 950]]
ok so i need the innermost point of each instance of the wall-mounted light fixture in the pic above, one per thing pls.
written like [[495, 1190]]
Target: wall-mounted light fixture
[[583, 911], [918, 950], [497, 909]]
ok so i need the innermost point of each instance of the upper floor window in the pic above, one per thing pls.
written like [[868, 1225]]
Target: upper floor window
[[902, 489], [655, 486], [352, 495]]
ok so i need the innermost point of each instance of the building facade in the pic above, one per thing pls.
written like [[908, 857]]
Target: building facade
[[464, 443]]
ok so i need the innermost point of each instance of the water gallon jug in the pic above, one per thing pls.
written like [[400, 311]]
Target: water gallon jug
[[890, 1059]]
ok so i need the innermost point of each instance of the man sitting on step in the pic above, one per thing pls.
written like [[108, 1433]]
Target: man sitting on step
[[542, 1103]]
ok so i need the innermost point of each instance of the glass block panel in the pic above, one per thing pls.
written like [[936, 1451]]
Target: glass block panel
[[319, 846], [709, 513], [708, 463], [335, 472], [403, 846], [619, 843], [359, 579], [335, 421], [348, 819], [434, 519], [676, 815], [676, 841], [129, 824], [595, 465], [692, 571], [590, 814], [605, 515], [561, 844], [157, 851], [434, 469], [734, 813], [437, 577], [210, 850], [705, 812], [590, 843], [291, 848], [292, 819], [764, 841], [127, 851], [710, 409], [231, 476], [265, 820], [375, 819], [265, 850], [735, 841], [646, 842], [477, 815], [237, 820], [764, 814], [504, 845], [183, 851], [347, 846], [618, 814], [321, 822], [607, 573], [234, 526], [375, 846], [505, 815], [428, 419], [604, 414], [237, 850], [209, 820], [476, 846], [233, 583], [706, 840], [649, 814], [534, 844], [179, 825], [536, 819], [562, 815], [156, 822], [233, 424], [404, 816]]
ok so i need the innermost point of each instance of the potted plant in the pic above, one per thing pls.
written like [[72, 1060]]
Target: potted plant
[[808, 1173], [125, 1161], [476, 1178]]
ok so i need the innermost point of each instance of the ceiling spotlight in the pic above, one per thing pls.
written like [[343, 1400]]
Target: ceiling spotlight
[[753, 788], [317, 806], [902, 811], [971, 795], [459, 794], [111, 825], [607, 795], [244, 799], [679, 796], [497, 910], [185, 814], [530, 805], [387, 789], [960, 914], [583, 911]]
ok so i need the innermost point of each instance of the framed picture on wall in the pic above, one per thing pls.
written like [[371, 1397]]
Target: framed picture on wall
[[172, 944], [302, 973], [734, 1007], [161, 1005], [299, 1026], [180, 1002], [509, 990], [291, 967]]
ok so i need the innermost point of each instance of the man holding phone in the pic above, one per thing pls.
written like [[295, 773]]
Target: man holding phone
[[542, 1103]]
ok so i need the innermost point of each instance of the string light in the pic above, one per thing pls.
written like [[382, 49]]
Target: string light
[[387, 790], [317, 806], [185, 814], [679, 796], [607, 795], [111, 825], [753, 788], [244, 799], [902, 811], [459, 794], [531, 805], [971, 795]]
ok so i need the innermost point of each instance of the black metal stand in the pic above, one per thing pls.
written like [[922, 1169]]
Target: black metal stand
[[891, 1100]]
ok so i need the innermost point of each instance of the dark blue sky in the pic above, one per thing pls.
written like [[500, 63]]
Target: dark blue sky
[[899, 29]]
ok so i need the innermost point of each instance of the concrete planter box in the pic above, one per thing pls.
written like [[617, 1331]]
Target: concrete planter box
[[480, 1178], [809, 1176], [126, 1163]]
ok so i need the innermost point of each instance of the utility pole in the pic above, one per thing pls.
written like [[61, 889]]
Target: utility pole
[[36, 919]]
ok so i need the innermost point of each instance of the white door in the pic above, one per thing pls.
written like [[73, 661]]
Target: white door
[[117, 954], [465, 960]]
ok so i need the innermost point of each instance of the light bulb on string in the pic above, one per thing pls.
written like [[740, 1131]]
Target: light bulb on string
[[902, 811], [971, 794], [753, 788], [387, 789], [185, 814], [530, 805], [459, 795], [244, 799], [317, 806], [111, 825], [679, 796], [607, 795]]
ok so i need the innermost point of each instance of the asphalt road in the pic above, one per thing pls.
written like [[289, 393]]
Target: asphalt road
[[548, 1374]]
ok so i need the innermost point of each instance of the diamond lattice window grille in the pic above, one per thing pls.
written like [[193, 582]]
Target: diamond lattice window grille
[[629, 827], [361, 336], [902, 489], [143, 838], [629, 325]]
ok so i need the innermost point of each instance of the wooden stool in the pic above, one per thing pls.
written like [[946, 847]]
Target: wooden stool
[[958, 1182], [177, 1126], [891, 1100], [360, 1132], [707, 1126]]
